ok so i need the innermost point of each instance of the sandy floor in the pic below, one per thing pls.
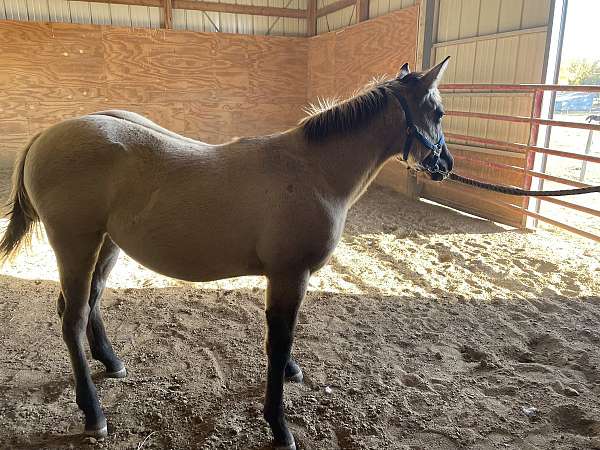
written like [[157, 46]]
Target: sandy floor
[[434, 330]]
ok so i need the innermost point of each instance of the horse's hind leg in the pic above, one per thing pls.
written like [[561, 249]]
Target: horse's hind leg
[[76, 257], [284, 295], [100, 346]]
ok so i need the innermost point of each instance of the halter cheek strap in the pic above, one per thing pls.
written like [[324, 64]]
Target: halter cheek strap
[[431, 162]]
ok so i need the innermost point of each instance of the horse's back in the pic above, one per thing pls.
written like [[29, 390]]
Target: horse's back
[[137, 119]]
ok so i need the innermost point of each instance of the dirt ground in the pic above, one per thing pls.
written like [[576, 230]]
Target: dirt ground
[[430, 330]]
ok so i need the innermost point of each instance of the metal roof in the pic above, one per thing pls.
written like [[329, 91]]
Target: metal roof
[[71, 11]]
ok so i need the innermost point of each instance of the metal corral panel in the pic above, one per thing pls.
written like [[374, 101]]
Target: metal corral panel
[[151, 17]]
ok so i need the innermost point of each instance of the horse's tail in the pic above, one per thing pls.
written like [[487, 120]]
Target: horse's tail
[[23, 216]]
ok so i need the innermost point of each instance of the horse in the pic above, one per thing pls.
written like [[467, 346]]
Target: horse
[[272, 205]]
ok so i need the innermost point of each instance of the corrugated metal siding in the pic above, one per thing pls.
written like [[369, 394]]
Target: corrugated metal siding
[[491, 41], [151, 17], [459, 19], [80, 12], [347, 16], [336, 20], [380, 7]]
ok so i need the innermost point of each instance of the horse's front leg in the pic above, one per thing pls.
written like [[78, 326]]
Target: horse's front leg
[[284, 295]]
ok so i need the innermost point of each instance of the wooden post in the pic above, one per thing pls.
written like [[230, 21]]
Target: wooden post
[[362, 7], [414, 187], [168, 8], [311, 18]]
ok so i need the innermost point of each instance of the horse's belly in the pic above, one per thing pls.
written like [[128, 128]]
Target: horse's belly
[[189, 265], [197, 256]]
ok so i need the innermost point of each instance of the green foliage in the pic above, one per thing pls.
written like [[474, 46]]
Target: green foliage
[[580, 71]]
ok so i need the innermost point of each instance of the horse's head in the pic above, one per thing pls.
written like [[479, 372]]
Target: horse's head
[[424, 148]]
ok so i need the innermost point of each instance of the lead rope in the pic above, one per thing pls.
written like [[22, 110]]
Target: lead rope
[[509, 190]]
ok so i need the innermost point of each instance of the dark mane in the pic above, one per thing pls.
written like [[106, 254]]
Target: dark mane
[[333, 116]]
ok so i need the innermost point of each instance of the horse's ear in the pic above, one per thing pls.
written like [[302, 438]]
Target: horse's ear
[[404, 70], [432, 77]]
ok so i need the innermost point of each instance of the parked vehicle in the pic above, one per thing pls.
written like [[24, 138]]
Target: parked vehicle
[[576, 102]]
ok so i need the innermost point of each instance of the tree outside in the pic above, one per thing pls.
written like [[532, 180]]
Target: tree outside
[[580, 71]]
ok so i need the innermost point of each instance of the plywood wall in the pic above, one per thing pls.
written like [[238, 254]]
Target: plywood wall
[[205, 85], [341, 62]]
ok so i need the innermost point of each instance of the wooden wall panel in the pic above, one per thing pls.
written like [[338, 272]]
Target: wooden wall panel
[[208, 86], [341, 62], [321, 66]]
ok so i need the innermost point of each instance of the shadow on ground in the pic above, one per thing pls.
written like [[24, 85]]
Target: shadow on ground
[[404, 372]]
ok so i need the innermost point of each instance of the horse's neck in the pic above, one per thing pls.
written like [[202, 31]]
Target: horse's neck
[[351, 162]]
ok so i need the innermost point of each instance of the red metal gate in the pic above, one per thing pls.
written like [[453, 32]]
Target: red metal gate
[[523, 172]]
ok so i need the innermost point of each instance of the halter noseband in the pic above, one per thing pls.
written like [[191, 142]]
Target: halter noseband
[[431, 162]]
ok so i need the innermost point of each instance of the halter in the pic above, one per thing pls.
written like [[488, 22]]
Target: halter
[[430, 163]]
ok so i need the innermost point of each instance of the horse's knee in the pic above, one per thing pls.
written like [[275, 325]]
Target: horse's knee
[[74, 323]]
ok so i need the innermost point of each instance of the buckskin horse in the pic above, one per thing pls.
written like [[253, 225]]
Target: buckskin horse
[[271, 205]]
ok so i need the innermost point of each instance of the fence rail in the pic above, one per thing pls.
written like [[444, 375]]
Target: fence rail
[[531, 148]]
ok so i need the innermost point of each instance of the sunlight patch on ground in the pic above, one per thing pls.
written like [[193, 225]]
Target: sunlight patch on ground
[[396, 247]]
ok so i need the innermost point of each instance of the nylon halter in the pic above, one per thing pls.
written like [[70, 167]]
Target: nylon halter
[[431, 162]]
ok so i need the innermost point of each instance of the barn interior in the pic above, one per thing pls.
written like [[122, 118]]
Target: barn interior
[[448, 317]]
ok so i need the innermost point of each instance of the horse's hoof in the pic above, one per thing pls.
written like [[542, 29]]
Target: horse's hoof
[[291, 446], [293, 373], [116, 374], [101, 432]]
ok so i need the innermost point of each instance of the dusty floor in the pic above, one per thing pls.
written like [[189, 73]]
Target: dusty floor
[[433, 330]]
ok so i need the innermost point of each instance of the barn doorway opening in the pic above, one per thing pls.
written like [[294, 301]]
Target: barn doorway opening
[[573, 61]]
